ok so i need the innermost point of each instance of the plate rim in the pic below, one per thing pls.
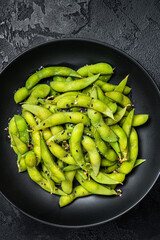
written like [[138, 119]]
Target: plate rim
[[89, 40]]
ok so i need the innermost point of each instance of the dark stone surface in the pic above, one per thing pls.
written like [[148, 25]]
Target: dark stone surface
[[131, 25]]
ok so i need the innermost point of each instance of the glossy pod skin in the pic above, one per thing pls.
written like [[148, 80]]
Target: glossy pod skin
[[102, 68], [62, 118], [39, 91], [93, 186], [119, 98], [38, 111], [95, 158], [78, 191], [21, 94], [85, 101], [75, 146], [74, 85], [108, 153], [49, 72], [67, 184], [49, 162], [127, 166]]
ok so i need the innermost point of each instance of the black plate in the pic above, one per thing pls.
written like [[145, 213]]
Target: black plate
[[92, 210]]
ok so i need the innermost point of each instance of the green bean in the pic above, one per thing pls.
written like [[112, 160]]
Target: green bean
[[94, 187], [39, 111], [49, 72], [117, 117], [67, 185], [49, 161], [102, 68], [75, 146], [139, 161], [78, 191], [109, 154], [21, 94], [62, 118], [84, 101], [95, 158], [74, 85], [119, 98]]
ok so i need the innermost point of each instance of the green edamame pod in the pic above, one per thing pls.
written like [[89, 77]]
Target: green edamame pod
[[75, 146], [85, 101], [102, 68], [48, 173], [21, 163], [22, 128], [67, 184], [122, 136], [95, 158], [126, 167], [49, 72], [62, 118], [105, 78], [128, 123], [139, 161], [106, 163], [122, 86], [60, 153], [112, 168], [39, 111], [140, 119], [109, 154], [40, 91], [71, 168], [106, 100], [108, 87], [21, 146], [61, 136], [49, 162], [78, 191], [103, 178], [74, 85], [94, 187], [119, 98], [21, 94], [116, 147], [117, 117]]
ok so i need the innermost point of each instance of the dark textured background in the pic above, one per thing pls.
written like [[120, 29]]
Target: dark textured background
[[133, 26]]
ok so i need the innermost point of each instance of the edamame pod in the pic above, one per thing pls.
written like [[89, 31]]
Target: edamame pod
[[62, 118], [74, 85], [49, 72], [102, 68]]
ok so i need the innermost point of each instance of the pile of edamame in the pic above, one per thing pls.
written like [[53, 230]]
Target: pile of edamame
[[76, 136]]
